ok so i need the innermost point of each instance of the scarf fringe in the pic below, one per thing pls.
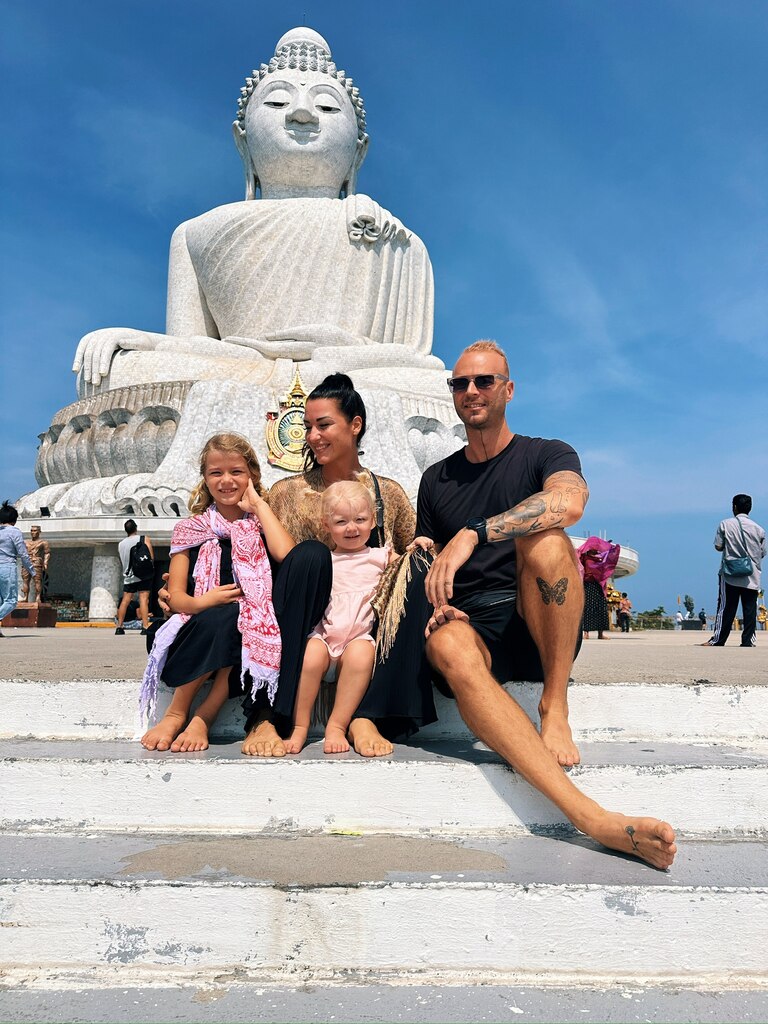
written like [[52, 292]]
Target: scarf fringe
[[390, 599]]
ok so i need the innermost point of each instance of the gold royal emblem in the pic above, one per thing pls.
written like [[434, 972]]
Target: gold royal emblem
[[285, 429]]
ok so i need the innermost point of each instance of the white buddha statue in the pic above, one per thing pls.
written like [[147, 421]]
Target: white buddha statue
[[304, 273], [304, 269]]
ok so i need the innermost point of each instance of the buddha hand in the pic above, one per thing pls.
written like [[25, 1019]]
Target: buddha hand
[[95, 351]]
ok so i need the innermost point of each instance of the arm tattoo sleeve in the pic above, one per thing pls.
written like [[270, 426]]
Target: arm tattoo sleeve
[[560, 504]]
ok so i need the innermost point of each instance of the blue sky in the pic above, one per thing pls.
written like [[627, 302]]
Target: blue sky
[[589, 179]]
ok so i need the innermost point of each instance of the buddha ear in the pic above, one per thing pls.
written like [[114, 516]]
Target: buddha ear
[[251, 181], [349, 188]]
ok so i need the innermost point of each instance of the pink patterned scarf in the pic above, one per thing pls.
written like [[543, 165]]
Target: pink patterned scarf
[[257, 622]]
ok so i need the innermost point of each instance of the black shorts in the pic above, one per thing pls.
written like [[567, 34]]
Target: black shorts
[[514, 655], [140, 587]]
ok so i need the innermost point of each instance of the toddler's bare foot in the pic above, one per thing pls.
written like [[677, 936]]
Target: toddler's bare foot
[[647, 838], [367, 740], [335, 740], [556, 733], [194, 737], [296, 740], [263, 741], [162, 735]]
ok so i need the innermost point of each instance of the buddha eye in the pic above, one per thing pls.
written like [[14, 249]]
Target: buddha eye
[[277, 104], [327, 104]]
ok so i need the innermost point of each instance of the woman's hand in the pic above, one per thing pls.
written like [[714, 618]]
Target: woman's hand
[[422, 543], [228, 593], [164, 596], [251, 501]]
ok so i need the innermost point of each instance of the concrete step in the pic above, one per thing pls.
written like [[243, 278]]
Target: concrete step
[[107, 709], [311, 907], [259, 1003], [450, 787]]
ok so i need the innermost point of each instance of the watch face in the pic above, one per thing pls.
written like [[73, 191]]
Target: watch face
[[475, 523]]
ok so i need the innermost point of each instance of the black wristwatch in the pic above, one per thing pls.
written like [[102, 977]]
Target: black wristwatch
[[480, 526]]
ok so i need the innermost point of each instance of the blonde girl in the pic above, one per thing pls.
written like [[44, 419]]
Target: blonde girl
[[343, 639], [227, 628]]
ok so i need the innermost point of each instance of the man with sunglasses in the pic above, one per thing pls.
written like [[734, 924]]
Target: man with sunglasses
[[508, 596]]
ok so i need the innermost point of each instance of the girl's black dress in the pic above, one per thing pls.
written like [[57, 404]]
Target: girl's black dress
[[210, 640]]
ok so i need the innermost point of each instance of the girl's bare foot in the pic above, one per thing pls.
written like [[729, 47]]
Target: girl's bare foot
[[335, 740], [194, 737], [556, 734], [367, 740], [263, 741], [296, 740], [162, 735], [647, 838]]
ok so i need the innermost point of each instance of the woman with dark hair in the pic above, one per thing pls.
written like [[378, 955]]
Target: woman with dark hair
[[399, 699], [12, 549]]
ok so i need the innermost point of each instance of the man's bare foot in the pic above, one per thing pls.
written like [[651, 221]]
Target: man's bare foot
[[296, 740], [647, 838], [367, 740], [194, 737], [556, 733], [162, 735], [335, 740], [263, 741]]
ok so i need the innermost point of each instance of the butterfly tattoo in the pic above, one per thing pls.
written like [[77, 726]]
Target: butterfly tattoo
[[554, 593]]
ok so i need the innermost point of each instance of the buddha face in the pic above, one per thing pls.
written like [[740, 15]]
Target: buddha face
[[301, 134]]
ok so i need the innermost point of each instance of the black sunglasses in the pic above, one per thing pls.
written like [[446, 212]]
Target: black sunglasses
[[482, 381]]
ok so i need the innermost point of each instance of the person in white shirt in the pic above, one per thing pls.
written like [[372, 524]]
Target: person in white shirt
[[742, 542]]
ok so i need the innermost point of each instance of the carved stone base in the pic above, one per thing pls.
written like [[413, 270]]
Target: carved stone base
[[135, 451]]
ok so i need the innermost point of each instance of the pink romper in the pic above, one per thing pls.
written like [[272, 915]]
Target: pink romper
[[349, 615]]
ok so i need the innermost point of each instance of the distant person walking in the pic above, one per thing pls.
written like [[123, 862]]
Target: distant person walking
[[12, 550], [137, 558], [703, 619], [678, 619], [742, 542], [598, 561], [625, 612]]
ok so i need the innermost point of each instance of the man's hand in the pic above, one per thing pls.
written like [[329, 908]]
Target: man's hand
[[446, 613], [439, 581]]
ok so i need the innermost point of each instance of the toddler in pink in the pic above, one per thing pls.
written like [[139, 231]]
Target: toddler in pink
[[343, 638]]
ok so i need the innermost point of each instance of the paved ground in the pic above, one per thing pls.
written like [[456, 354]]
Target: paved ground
[[363, 1003], [647, 657]]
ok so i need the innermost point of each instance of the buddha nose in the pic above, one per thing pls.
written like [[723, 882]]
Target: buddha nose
[[302, 112]]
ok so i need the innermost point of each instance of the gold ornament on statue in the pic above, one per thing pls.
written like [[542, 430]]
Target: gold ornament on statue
[[285, 429]]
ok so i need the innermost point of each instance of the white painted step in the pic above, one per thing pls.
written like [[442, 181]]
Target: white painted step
[[318, 907], [107, 709], [449, 787]]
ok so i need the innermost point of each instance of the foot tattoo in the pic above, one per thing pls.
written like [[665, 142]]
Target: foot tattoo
[[631, 833]]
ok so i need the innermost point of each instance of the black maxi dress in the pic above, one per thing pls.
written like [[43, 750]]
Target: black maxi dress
[[399, 698]]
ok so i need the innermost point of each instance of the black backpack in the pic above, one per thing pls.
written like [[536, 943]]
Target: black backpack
[[140, 561]]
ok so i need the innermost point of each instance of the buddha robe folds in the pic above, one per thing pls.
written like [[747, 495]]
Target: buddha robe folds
[[270, 266]]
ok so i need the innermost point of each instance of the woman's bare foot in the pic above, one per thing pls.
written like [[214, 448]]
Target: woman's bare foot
[[367, 740], [194, 737], [647, 838], [296, 740], [263, 741], [162, 735], [556, 734], [335, 740]]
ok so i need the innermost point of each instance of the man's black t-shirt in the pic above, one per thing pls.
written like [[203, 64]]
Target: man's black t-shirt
[[454, 490]]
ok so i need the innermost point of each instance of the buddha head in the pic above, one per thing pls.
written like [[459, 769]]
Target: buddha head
[[300, 127]]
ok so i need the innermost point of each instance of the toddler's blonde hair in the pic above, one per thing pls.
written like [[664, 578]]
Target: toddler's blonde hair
[[351, 491], [235, 444]]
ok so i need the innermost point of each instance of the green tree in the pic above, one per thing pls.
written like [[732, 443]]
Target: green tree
[[655, 618], [689, 605]]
